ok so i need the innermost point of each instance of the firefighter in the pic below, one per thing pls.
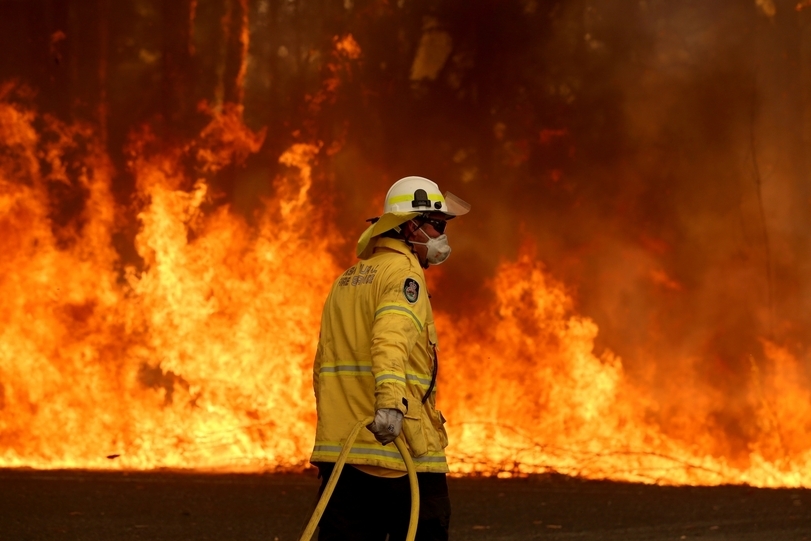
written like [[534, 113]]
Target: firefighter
[[377, 356]]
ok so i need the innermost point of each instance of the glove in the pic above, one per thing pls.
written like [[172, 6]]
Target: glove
[[387, 425]]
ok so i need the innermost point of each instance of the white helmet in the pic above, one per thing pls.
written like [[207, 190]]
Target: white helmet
[[418, 194], [407, 199]]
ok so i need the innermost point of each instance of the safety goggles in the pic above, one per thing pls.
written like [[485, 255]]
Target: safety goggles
[[439, 225]]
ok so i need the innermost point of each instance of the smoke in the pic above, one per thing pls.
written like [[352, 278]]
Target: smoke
[[652, 153], [687, 245]]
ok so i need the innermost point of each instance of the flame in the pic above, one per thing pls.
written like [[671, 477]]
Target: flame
[[529, 396], [244, 42], [194, 360], [200, 355]]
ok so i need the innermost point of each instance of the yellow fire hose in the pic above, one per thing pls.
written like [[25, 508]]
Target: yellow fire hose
[[336, 472]]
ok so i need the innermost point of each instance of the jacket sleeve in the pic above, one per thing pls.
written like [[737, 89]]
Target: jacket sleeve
[[400, 317], [316, 368], [319, 350]]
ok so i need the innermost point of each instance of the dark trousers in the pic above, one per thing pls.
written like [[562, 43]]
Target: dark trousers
[[365, 507]]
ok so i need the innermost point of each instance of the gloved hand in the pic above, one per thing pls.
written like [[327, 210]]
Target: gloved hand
[[387, 425]]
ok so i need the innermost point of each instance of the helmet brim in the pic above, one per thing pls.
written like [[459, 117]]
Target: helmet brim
[[388, 221]]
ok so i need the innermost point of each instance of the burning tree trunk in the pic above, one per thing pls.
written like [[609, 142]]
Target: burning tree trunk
[[104, 40], [232, 62], [178, 89]]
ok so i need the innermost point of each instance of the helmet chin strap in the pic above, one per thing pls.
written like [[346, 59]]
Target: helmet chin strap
[[423, 262]]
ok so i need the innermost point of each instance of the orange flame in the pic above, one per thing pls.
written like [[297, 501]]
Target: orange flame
[[201, 356], [529, 396], [196, 360]]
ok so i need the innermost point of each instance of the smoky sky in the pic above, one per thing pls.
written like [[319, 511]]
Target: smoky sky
[[652, 152]]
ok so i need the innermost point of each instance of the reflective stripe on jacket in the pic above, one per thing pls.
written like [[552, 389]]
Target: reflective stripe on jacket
[[377, 350]]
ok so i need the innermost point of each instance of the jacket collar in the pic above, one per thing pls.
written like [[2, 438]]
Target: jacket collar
[[396, 246]]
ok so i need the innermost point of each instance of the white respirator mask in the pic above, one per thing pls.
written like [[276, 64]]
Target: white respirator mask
[[438, 248]]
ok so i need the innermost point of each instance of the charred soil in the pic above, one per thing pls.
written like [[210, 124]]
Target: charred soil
[[169, 506]]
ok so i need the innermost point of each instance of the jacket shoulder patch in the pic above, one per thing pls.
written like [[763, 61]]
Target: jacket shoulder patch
[[411, 290]]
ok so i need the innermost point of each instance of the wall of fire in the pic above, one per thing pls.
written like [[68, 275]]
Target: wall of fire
[[652, 154]]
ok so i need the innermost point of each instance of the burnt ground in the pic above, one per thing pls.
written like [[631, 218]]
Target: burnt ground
[[116, 506]]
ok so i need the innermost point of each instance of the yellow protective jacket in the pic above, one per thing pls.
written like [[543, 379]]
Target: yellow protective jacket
[[377, 349]]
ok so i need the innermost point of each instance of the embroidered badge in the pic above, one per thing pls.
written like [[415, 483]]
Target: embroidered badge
[[411, 290]]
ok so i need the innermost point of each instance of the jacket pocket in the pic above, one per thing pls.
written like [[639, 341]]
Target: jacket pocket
[[412, 426], [440, 428], [433, 361], [433, 342]]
